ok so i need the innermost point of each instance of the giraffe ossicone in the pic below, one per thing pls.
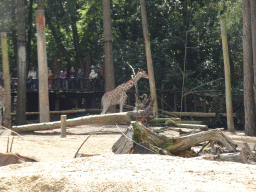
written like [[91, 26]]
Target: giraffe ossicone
[[118, 95]]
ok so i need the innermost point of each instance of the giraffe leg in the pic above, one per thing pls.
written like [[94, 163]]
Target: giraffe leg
[[122, 102], [121, 107], [105, 108]]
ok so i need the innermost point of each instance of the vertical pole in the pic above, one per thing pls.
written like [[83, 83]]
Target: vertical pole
[[21, 55], [109, 66], [229, 107], [63, 126], [6, 73], [148, 55], [42, 66]]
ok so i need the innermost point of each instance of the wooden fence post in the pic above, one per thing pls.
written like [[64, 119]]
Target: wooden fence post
[[42, 67], [7, 87], [63, 126]]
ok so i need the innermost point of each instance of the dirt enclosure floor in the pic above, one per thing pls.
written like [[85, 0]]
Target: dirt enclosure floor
[[59, 171]]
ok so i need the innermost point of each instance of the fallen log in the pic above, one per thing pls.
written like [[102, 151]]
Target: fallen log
[[177, 129], [124, 145], [162, 121], [66, 112], [193, 114], [167, 145], [111, 119], [195, 122], [192, 126]]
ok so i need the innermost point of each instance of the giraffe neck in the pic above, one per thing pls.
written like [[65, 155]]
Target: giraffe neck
[[128, 85]]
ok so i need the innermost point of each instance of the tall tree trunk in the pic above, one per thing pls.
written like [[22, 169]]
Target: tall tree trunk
[[6, 73], [109, 66], [249, 104], [42, 64], [21, 37], [253, 26], [14, 32], [58, 40], [148, 54], [76, 41], [30, 24], [229, 108], [72, 9]]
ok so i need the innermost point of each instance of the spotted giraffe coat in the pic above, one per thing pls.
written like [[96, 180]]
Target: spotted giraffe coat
[[118, 95]]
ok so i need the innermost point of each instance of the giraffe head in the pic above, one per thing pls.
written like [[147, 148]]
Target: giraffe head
[[143, 74]]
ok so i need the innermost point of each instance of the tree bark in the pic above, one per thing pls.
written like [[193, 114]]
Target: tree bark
[[148, 54], [141, 134], [249, 103], [109, 66], [58, 40], [155, 143], [229, 108], [76, 39], [30, 25], [42, 66], [6, 73], [21, 37], [253, 27], [194, 114], [111, 119], [157, 121]]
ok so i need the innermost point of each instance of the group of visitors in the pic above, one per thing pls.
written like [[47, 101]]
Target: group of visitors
[[71, 78], [67, 79]]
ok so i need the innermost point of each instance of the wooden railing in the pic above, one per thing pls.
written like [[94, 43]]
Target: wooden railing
[[73, 84]]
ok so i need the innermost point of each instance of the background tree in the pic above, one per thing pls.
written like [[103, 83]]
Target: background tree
[[108, 64], [21, 47], [229, 108], [249, 103], [148, 55], [42, 64]]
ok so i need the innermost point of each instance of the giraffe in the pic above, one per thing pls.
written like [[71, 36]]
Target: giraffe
[[118, 95]]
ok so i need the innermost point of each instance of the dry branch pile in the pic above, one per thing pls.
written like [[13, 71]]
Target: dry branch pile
[[140, 139]]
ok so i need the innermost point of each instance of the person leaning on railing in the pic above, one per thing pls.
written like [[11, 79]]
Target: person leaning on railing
[[32, 82], [50, 77], [72, 75], [93, 78], [65, 72], [14, 75], [80, 76], [61, 80]]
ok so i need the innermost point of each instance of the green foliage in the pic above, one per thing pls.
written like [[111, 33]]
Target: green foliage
[[185, 39], [7, 8]]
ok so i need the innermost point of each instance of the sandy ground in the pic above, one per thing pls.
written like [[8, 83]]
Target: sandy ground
[[58, 171], [48, 146]]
